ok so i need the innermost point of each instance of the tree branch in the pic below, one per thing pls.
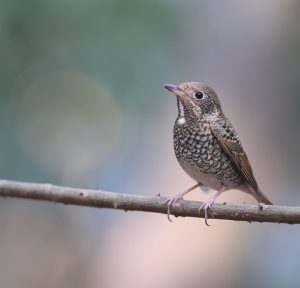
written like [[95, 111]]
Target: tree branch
[[102, 199]]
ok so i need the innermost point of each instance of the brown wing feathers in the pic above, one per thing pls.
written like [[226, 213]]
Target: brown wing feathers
[[231, 145]]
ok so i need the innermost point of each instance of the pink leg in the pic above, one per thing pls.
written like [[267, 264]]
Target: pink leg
[[207, 205], [171, 202]]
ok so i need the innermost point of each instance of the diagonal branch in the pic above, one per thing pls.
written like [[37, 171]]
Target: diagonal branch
[[102, 199]]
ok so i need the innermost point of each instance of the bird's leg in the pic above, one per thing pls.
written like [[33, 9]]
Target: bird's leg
[[171, 202], [207, 205]]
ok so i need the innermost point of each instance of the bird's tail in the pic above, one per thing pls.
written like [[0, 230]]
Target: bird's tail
[[260, 197]]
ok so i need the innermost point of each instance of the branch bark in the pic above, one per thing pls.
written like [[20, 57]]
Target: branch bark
[[103, 199]]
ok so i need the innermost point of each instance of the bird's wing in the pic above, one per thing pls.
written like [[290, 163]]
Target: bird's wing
[[231, 145]]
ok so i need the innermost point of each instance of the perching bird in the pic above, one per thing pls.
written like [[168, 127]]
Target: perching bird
[[207, 146]]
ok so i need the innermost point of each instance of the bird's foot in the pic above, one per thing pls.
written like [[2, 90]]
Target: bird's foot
[[205, 206], [171, 204]]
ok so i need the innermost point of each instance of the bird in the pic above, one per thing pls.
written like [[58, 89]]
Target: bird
[[208, 148]]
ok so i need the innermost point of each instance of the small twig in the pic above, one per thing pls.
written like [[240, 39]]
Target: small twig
[[102, 199]]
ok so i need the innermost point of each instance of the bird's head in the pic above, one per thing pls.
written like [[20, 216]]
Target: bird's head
[[195, 100]]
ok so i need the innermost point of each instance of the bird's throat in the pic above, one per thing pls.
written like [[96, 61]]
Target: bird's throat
[[181, 113]]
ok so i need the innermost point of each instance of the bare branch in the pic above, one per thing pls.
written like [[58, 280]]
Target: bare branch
[[102, 199]]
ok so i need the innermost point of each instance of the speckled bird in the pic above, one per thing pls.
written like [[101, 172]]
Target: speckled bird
[[207, 146]]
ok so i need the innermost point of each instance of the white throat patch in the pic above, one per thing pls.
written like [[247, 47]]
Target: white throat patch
[[181, 120]]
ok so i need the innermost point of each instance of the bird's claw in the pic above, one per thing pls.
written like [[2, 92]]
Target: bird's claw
[[205, 206], [171, 204]]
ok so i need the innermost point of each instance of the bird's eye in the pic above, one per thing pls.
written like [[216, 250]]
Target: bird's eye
[[199, 95]]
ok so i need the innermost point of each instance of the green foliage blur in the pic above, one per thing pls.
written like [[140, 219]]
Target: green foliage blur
[[75, 77]]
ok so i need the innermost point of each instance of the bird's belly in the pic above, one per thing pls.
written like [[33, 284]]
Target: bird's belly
[[206, 179]]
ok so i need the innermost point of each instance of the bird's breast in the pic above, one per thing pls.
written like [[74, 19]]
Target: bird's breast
[[200, 155]]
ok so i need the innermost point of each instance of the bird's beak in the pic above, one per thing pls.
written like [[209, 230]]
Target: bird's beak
[[175, 89]]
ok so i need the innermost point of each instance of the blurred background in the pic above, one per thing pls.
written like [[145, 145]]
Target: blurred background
[[82, 104]]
